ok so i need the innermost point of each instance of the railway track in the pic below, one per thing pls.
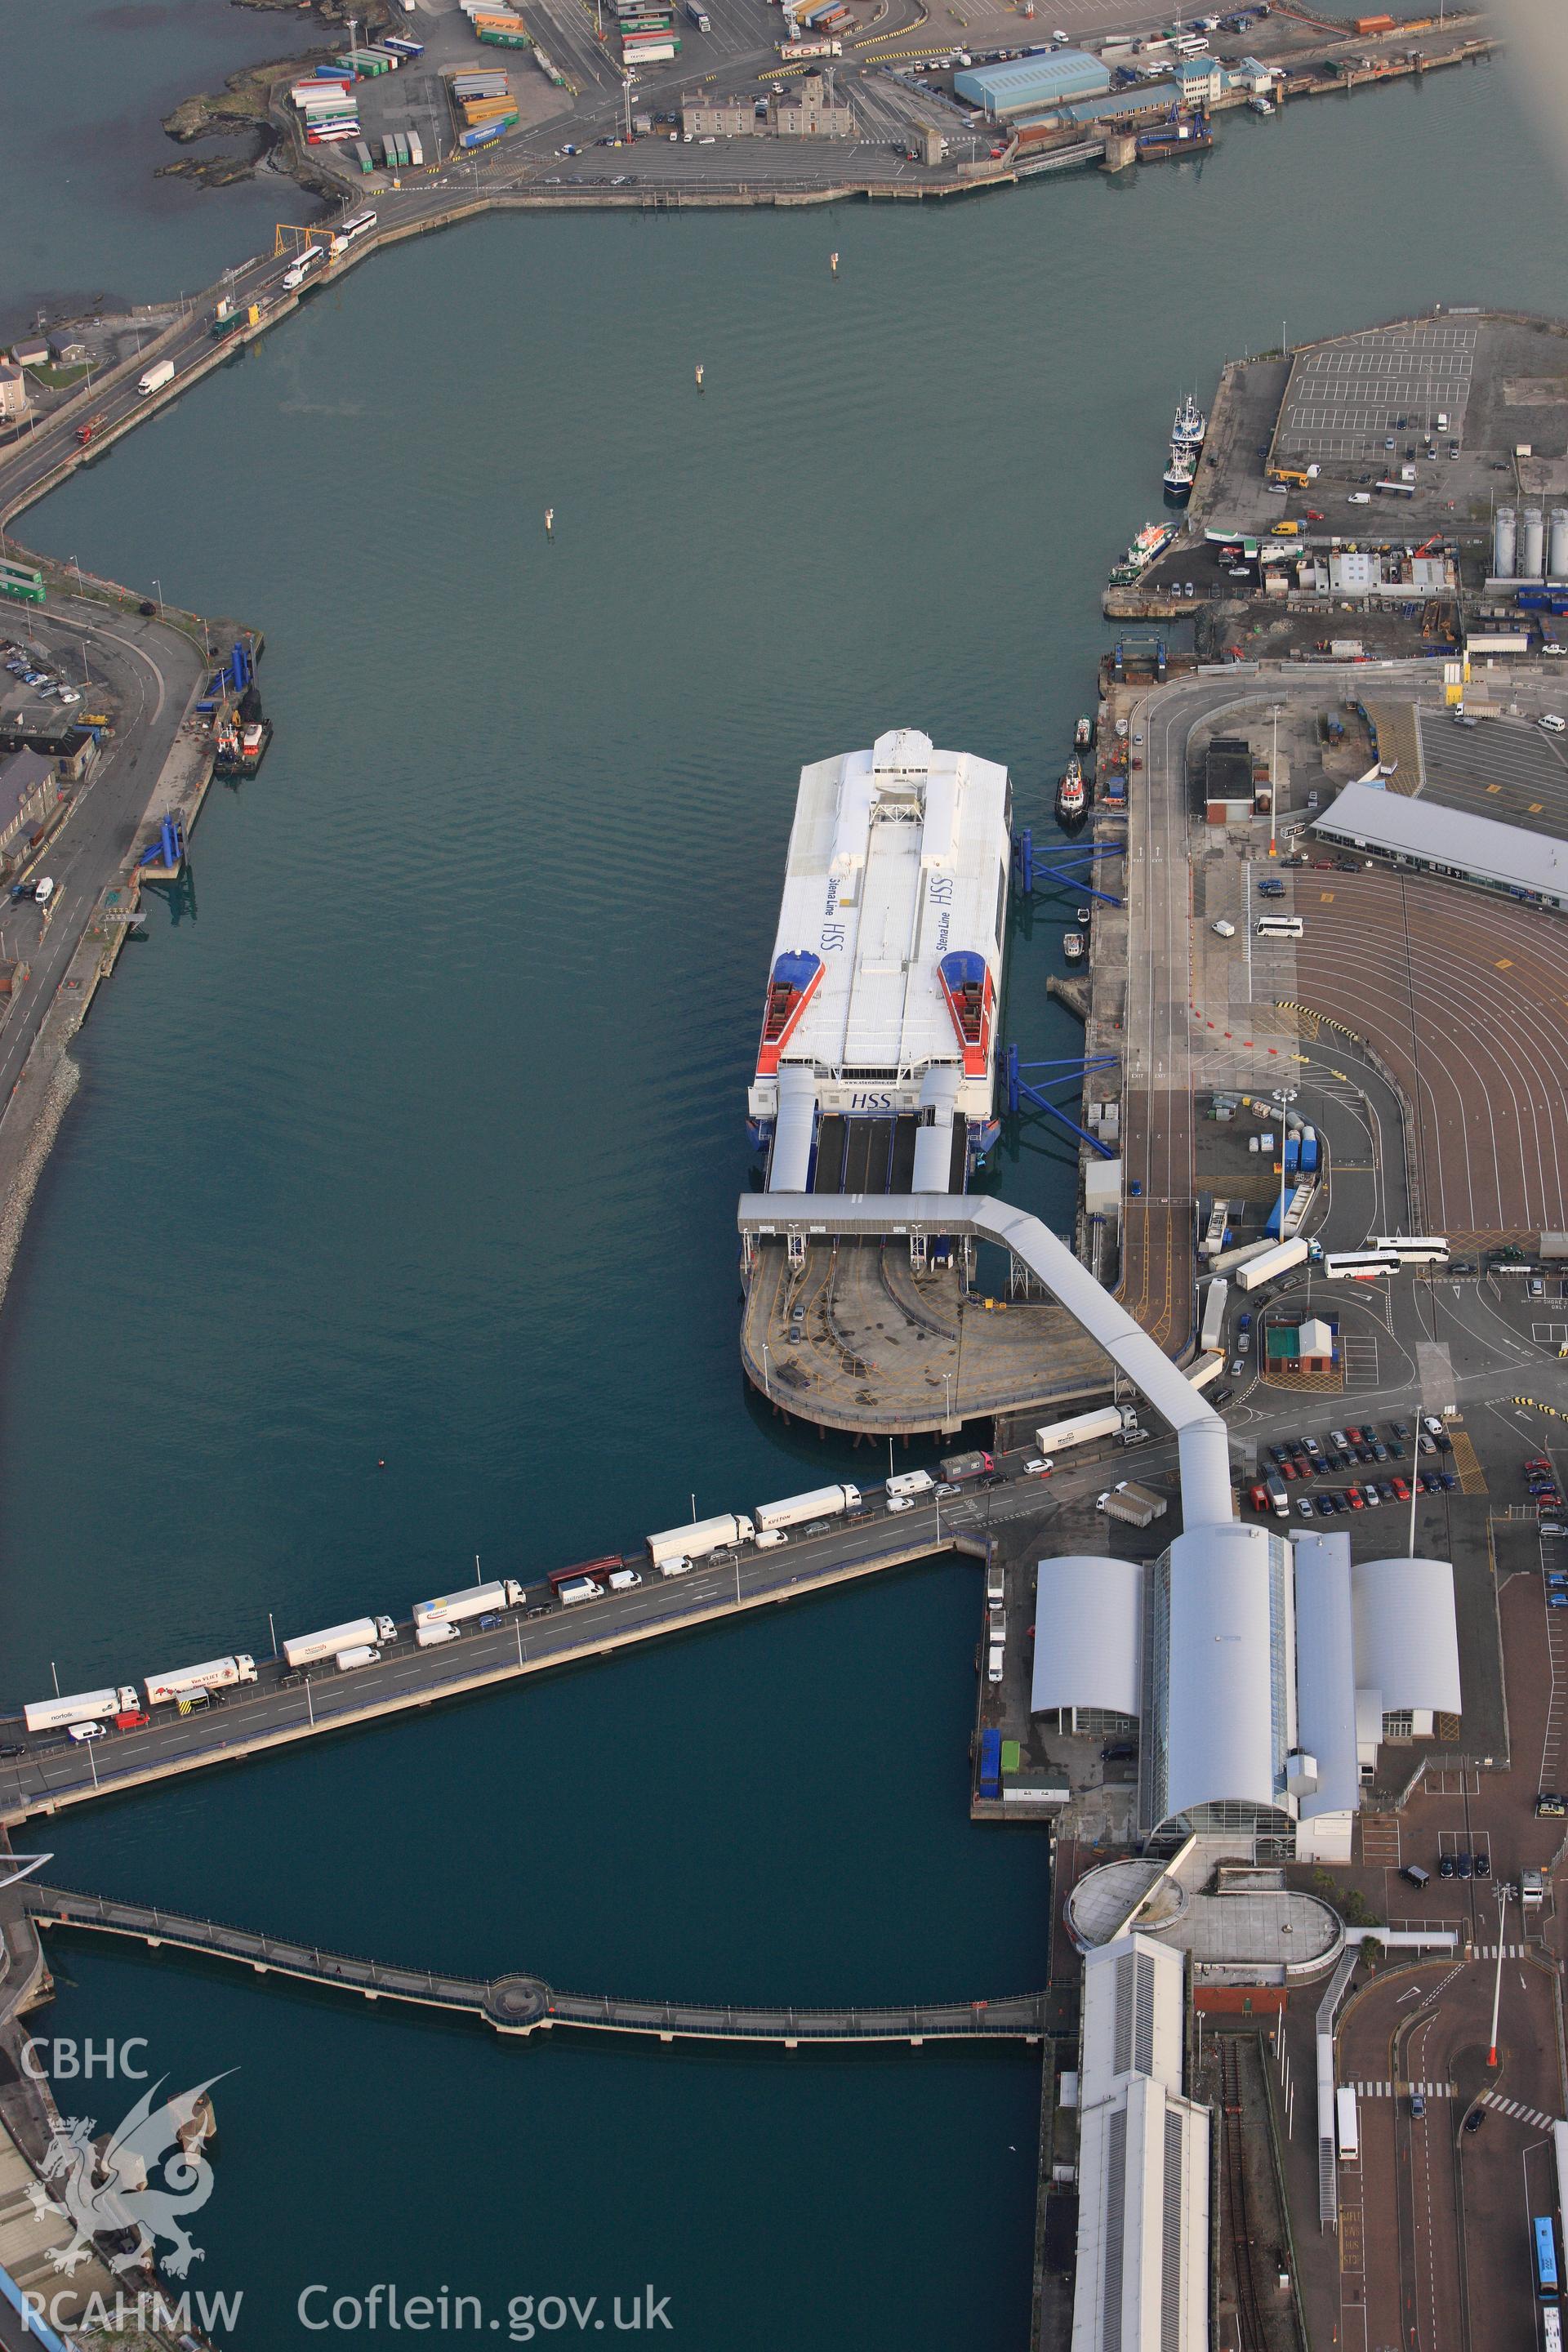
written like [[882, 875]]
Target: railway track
[[1237, 2215]]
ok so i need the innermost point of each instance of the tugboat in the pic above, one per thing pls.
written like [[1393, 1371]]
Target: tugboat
[[1191, 425], [1179, 473], [1073, 947], [1083, 734], [1072, 799]]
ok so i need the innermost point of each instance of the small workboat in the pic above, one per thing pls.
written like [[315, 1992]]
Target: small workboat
[[1073, 947], [1083, 734], [1072, 799]]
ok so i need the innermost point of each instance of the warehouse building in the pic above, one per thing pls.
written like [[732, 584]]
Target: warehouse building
[[1029, 85], [1416, 833], [1142, 2274]]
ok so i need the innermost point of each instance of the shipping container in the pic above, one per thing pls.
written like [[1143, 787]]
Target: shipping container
[[485, 135], [990, 1780], [703, 1536], [154, 378], [1212, 1335], [415, 151]]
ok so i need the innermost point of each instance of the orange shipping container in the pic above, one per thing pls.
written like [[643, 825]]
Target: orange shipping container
[[1374, 24]]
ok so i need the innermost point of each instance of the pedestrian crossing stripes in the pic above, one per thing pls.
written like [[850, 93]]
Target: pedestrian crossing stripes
[[1519, 2111], [1404, 2090], [1510, 1951]]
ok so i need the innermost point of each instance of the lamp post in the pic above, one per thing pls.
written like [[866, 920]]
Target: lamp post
[[159, 586]]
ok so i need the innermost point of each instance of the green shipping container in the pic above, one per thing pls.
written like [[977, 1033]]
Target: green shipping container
[[507, 40], [1012, 1755]]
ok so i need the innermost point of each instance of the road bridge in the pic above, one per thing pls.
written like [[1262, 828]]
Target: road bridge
[[281, 1708], [522, 2004]]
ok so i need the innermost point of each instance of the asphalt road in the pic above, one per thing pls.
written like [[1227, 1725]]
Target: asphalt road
[[151, 671], [280, 1707]]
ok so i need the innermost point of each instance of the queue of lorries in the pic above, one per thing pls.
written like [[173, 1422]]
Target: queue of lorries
[[87, 1715]]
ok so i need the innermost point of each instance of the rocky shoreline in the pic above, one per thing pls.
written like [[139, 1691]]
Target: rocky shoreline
[[244, 101]]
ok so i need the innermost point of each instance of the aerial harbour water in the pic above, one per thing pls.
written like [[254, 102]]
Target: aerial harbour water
[[417, 1147]]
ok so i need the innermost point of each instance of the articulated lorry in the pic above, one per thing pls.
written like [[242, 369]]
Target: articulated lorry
[[701, 1536], [473, 1600], [1117, 1421], [821, 1503], [1271, 1265], [214, 1674], [86, 1707], [305, 1649]]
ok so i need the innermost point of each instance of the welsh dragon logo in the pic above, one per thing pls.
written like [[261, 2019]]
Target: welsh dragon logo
[[145, 2179]]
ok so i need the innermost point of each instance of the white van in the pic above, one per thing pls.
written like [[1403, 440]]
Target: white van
[[623, 1580], [674, 1567], [43, 892], [1279, 926], [582, 1588], [768, 1537], [362, 1655]]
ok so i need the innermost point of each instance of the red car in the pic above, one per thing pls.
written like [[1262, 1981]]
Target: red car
[[1288, 1469], [1401, 1489], [1312, 515], [132, 1720], [1355, 1498]]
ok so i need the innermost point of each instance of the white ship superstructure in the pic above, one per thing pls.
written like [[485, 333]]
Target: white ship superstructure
[[876, 1070]]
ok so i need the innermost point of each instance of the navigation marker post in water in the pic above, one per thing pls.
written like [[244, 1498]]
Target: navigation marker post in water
[[549, 523]]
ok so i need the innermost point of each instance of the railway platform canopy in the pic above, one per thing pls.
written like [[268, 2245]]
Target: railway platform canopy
[[1415, 832], [1144, 2159]]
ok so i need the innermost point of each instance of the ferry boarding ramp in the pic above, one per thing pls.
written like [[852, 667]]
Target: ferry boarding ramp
[[1202, 1441]]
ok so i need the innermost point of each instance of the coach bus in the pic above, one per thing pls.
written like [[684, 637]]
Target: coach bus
[[1359, 1265], [1415, 1249], [1545, 2255]]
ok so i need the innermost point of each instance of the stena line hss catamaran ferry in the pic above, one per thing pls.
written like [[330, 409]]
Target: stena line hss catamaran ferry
[[876, 1067]]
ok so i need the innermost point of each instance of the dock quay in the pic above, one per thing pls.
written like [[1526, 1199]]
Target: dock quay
[[522, 2004], [282, 1709]]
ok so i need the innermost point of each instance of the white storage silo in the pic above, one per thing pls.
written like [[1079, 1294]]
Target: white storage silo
[[1504, 540], [1557, 559], [1532, 548]]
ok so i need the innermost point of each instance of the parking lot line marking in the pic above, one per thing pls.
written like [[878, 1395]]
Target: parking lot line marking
[[1325, 897], [1503, 963]]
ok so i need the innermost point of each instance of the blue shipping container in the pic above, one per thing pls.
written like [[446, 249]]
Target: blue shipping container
[[1272, 1227], [991, 1763]]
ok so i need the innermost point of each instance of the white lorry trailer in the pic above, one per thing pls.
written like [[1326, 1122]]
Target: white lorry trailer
[[304, 1649], [1111, 1420], [57, 1713], [154, 378], [821, 1503], [701, 1536], [473, 1600], [213, 1674], [1271, 1265]]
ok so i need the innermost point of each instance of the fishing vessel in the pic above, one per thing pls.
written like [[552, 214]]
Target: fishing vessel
[[1190, 425], [1178, 475], [876, 1064], [1151, 542], [1072, 796], [1073, 947], [1083, 734]]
